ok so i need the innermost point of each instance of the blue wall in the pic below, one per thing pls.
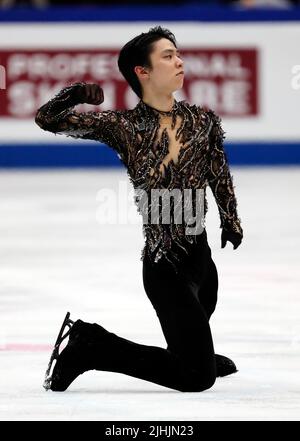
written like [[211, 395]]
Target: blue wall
[[97, 155], [187, 12]]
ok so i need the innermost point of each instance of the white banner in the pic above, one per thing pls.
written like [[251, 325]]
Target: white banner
[[276, 47]]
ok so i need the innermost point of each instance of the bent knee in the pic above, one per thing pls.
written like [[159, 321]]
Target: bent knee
[[199, 385]]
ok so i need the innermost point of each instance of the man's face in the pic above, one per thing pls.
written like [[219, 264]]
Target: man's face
[[166, 63]]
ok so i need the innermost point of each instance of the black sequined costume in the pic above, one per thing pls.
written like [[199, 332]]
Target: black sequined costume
[[142, 138]]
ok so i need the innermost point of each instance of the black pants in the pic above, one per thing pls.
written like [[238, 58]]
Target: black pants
[[195, 286], [183, 303]]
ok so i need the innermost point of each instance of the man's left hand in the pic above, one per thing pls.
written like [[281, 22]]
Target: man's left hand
[[231, 236]]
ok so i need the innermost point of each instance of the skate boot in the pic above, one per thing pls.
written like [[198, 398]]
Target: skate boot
[[75, 358], [225, 366]]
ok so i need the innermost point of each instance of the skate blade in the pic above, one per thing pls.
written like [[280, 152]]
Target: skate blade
[[61, 336]]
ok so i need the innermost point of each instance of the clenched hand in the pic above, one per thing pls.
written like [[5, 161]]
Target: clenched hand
[[89, 94], [231, 236]]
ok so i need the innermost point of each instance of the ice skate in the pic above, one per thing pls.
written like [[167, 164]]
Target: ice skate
[[77, 357], [73, 359], [55, 353], [70, 364], [225, 366]]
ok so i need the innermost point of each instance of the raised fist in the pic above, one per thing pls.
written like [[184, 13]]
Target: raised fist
[[89, 94]]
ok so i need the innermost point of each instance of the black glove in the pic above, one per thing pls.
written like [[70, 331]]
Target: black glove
[[231, 236], [88, 93]]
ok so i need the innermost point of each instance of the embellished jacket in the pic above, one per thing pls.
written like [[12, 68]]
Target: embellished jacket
[[179, 149]]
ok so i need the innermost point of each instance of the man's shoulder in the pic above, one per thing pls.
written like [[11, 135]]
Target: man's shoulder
[[125, 114], [206, 114]]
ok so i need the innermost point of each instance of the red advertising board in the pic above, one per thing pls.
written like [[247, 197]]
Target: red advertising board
[[225, 80]]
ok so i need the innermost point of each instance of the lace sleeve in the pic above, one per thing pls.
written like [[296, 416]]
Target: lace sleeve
[[58, 116], [220, 180]]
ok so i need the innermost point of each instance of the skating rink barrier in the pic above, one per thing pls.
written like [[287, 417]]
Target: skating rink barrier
[[244, 64]]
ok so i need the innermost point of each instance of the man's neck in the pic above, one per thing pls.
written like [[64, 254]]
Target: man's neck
[[162, 103]]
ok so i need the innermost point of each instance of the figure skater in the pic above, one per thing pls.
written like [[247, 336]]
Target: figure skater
[[165, 145]]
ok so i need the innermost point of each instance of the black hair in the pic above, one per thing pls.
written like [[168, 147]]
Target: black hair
[[137, 53]]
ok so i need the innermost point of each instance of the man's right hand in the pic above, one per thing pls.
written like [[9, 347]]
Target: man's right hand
[[89, 94]]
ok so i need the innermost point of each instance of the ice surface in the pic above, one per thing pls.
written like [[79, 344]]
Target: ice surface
[[56, 257]]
